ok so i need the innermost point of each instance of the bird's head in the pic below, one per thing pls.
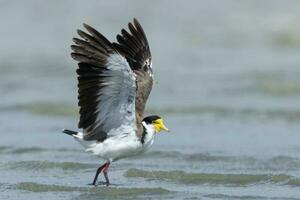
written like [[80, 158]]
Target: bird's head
[[157, 122]]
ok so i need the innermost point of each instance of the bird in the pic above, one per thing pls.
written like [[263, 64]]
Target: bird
[[114, 83]]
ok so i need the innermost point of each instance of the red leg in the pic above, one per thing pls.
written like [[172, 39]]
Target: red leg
[[98, 172], [105, 172]]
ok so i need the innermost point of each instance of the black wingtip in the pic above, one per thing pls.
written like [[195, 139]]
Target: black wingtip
[[135, 21], [69, 132], [87, 27]]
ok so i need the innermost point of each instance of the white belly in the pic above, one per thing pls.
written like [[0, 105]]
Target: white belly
[[116, 147]]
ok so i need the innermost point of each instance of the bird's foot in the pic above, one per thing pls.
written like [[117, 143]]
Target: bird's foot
[[103, 168], [97, 183]]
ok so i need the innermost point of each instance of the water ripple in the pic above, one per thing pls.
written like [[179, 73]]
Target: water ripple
[[45, 165], [213, 178], [101, 191]]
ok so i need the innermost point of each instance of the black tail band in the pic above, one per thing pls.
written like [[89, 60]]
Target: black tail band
[[69, 132]]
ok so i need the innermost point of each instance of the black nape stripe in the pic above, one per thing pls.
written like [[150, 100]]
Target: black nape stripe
[[144, 135]]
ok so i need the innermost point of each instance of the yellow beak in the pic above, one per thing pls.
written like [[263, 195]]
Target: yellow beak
[[159, 125], [165, 128]]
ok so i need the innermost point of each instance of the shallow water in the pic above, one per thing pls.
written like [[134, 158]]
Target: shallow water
[[228, 88], [207, 160]]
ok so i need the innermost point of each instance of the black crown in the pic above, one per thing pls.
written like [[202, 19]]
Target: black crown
[[150, 119]]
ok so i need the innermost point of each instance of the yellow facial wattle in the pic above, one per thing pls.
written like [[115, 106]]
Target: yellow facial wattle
[[159, 125]]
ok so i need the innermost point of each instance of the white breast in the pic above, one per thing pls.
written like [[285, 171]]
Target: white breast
[[122, 145], [149, 137]]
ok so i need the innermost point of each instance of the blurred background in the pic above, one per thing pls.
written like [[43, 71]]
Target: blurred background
[[228, 88]]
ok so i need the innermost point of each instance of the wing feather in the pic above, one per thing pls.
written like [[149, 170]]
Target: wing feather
[[134, 47], [106, 86]]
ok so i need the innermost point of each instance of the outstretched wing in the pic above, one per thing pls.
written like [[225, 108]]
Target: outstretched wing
[[107, 86], [134, 46]]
